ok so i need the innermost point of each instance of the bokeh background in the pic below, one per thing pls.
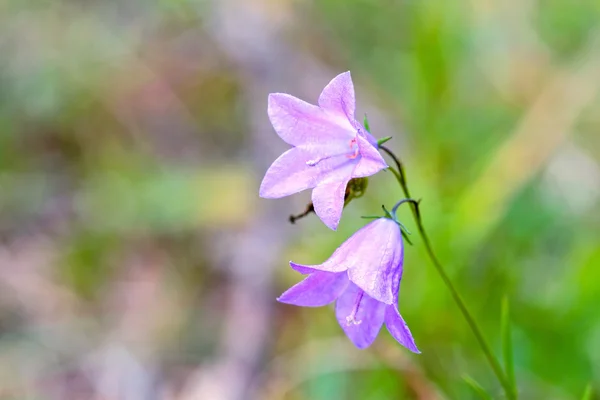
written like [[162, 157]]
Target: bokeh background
[[137, 261]]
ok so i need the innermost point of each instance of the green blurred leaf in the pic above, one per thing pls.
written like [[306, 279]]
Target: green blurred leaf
[[85, 265], [587, 394], [507, 350], [477, 388]]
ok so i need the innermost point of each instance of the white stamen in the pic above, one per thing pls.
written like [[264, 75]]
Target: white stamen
[[351, 319], [312, 163], [354, 154]]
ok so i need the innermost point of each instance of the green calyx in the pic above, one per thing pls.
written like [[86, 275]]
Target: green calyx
[[383, 140], [368, 128], [392, 215]]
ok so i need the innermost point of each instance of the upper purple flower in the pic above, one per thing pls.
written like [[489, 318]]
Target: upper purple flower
[[363, 275], [329, 148]]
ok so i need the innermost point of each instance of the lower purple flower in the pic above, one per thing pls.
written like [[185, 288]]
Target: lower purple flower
[[363, 275]]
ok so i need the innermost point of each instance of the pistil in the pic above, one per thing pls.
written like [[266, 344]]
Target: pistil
[[351, 319]]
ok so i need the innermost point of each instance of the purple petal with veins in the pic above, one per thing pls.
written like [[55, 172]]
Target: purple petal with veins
[[329, 148], [364, 275]]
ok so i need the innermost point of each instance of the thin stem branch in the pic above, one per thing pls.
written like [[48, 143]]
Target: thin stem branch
[[494, 364]]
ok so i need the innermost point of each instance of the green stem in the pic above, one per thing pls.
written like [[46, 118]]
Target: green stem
[[401, 177]]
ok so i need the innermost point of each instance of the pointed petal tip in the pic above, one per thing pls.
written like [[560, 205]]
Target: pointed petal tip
[[309, 269], [328, 201], [332, 222], [271, 98], [338, 97], [303, 269], [316, 290], [283, 299], [262, 193], [288, 297], [268, 194], [276, 96], [265, 191], [359, 340], [412, 347], [398, 328], [280, 299], [361, 346], [342, 75], [333, 226]]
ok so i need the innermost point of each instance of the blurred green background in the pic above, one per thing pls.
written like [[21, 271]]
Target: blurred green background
[[137, 261]]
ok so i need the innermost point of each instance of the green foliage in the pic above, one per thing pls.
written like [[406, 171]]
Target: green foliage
[[477, 388], [588, 393], [507, 348], [428, 64]]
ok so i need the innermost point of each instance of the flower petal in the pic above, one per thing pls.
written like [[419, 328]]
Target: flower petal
[[338, 96], [352, 308], [370, 161], [289, 174], [304, 269], [328, 201], [398, 328], [301, 123], [316, 290], [326, 267], [366, 134], [357, 250], [398, 270], [376, 259]]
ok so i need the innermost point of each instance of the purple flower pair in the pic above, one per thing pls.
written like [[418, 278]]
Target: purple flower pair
[[329, 149]]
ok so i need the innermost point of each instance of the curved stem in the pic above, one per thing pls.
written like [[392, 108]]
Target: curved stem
[[494, 364], [398, 204]]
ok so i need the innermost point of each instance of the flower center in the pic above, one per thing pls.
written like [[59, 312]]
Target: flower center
[[353, 147], [351, 319], [353, 143]]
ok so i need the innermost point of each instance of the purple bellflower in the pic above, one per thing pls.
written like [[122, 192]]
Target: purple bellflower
[[329, 148], [363, 275]]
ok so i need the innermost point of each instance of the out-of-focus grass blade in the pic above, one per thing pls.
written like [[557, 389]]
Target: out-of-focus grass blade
[[507, 350], [587, 394], [477, 388]]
